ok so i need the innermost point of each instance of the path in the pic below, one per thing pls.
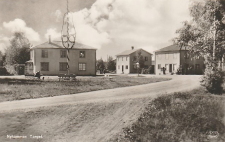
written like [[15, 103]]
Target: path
[[178, 83]]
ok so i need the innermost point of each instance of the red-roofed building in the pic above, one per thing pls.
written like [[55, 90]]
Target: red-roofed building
[[50, 58], [172, 58], [126, 62]]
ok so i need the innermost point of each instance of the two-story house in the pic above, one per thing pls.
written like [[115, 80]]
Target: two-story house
[[126, 62], [172, 58], [50, 58]]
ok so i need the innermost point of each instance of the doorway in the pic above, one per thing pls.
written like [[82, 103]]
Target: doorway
[[122, 69], [170, 67]]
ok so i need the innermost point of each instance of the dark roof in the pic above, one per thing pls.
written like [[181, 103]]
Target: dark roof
[[58, 45], [170, 48], [128, 52]]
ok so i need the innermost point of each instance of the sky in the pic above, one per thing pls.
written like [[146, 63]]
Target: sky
[[111, 26]]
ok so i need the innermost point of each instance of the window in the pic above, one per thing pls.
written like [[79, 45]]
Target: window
[[159, 66], [44, 66], [166, 56], [82, 54], [126, 58], [63, 53], [126, 66], [63, 66], [118, 66], [134, 58], [122, 58], [174, 55], [82, 66], [159, 57], [44, 53], [118, 58], [146, 58]]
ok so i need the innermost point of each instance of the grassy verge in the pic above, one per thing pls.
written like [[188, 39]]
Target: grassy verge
[[192, 116], [17, 89]]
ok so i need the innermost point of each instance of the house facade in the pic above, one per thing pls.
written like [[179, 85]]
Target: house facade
[[126, 62], [173, 59], [50, 58]]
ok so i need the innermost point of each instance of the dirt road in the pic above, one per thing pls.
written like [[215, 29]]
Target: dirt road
[[98, 116], [178, 83]]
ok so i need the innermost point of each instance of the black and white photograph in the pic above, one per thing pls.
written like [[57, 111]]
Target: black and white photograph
[[112, 70]]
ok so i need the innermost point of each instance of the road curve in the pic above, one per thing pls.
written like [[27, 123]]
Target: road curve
[[178, 83]]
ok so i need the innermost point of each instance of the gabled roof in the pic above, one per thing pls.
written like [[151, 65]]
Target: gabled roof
[[58, 45], [173, 47], [128, 52]]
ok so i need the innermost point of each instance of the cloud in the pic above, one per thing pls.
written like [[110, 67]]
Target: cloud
[[53, 33], [143, 23], [58, 15], [150, 24], [20, 25]]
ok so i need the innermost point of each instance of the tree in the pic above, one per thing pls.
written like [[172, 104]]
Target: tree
[[111, 64], [140, 61], [100, 65], [204, 36], [18, 52], [1, 58]]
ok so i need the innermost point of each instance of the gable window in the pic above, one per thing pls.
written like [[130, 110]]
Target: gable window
[[63, 53], [82, 54], [63, 66], [82, 66], [44, 53], [44, 66], [146, 58]]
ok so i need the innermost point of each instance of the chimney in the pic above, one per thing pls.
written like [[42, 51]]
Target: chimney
[[132, 47], [49, 38]]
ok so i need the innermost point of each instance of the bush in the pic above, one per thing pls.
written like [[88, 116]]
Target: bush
[[11, 69], [3, 71], [213, 80]]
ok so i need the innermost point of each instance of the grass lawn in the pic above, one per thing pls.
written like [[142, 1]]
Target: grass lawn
[[194, 116], [17, 89]]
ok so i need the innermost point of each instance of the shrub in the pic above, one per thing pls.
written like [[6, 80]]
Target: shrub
[[3, 71], [11, 69], [213, 80]]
